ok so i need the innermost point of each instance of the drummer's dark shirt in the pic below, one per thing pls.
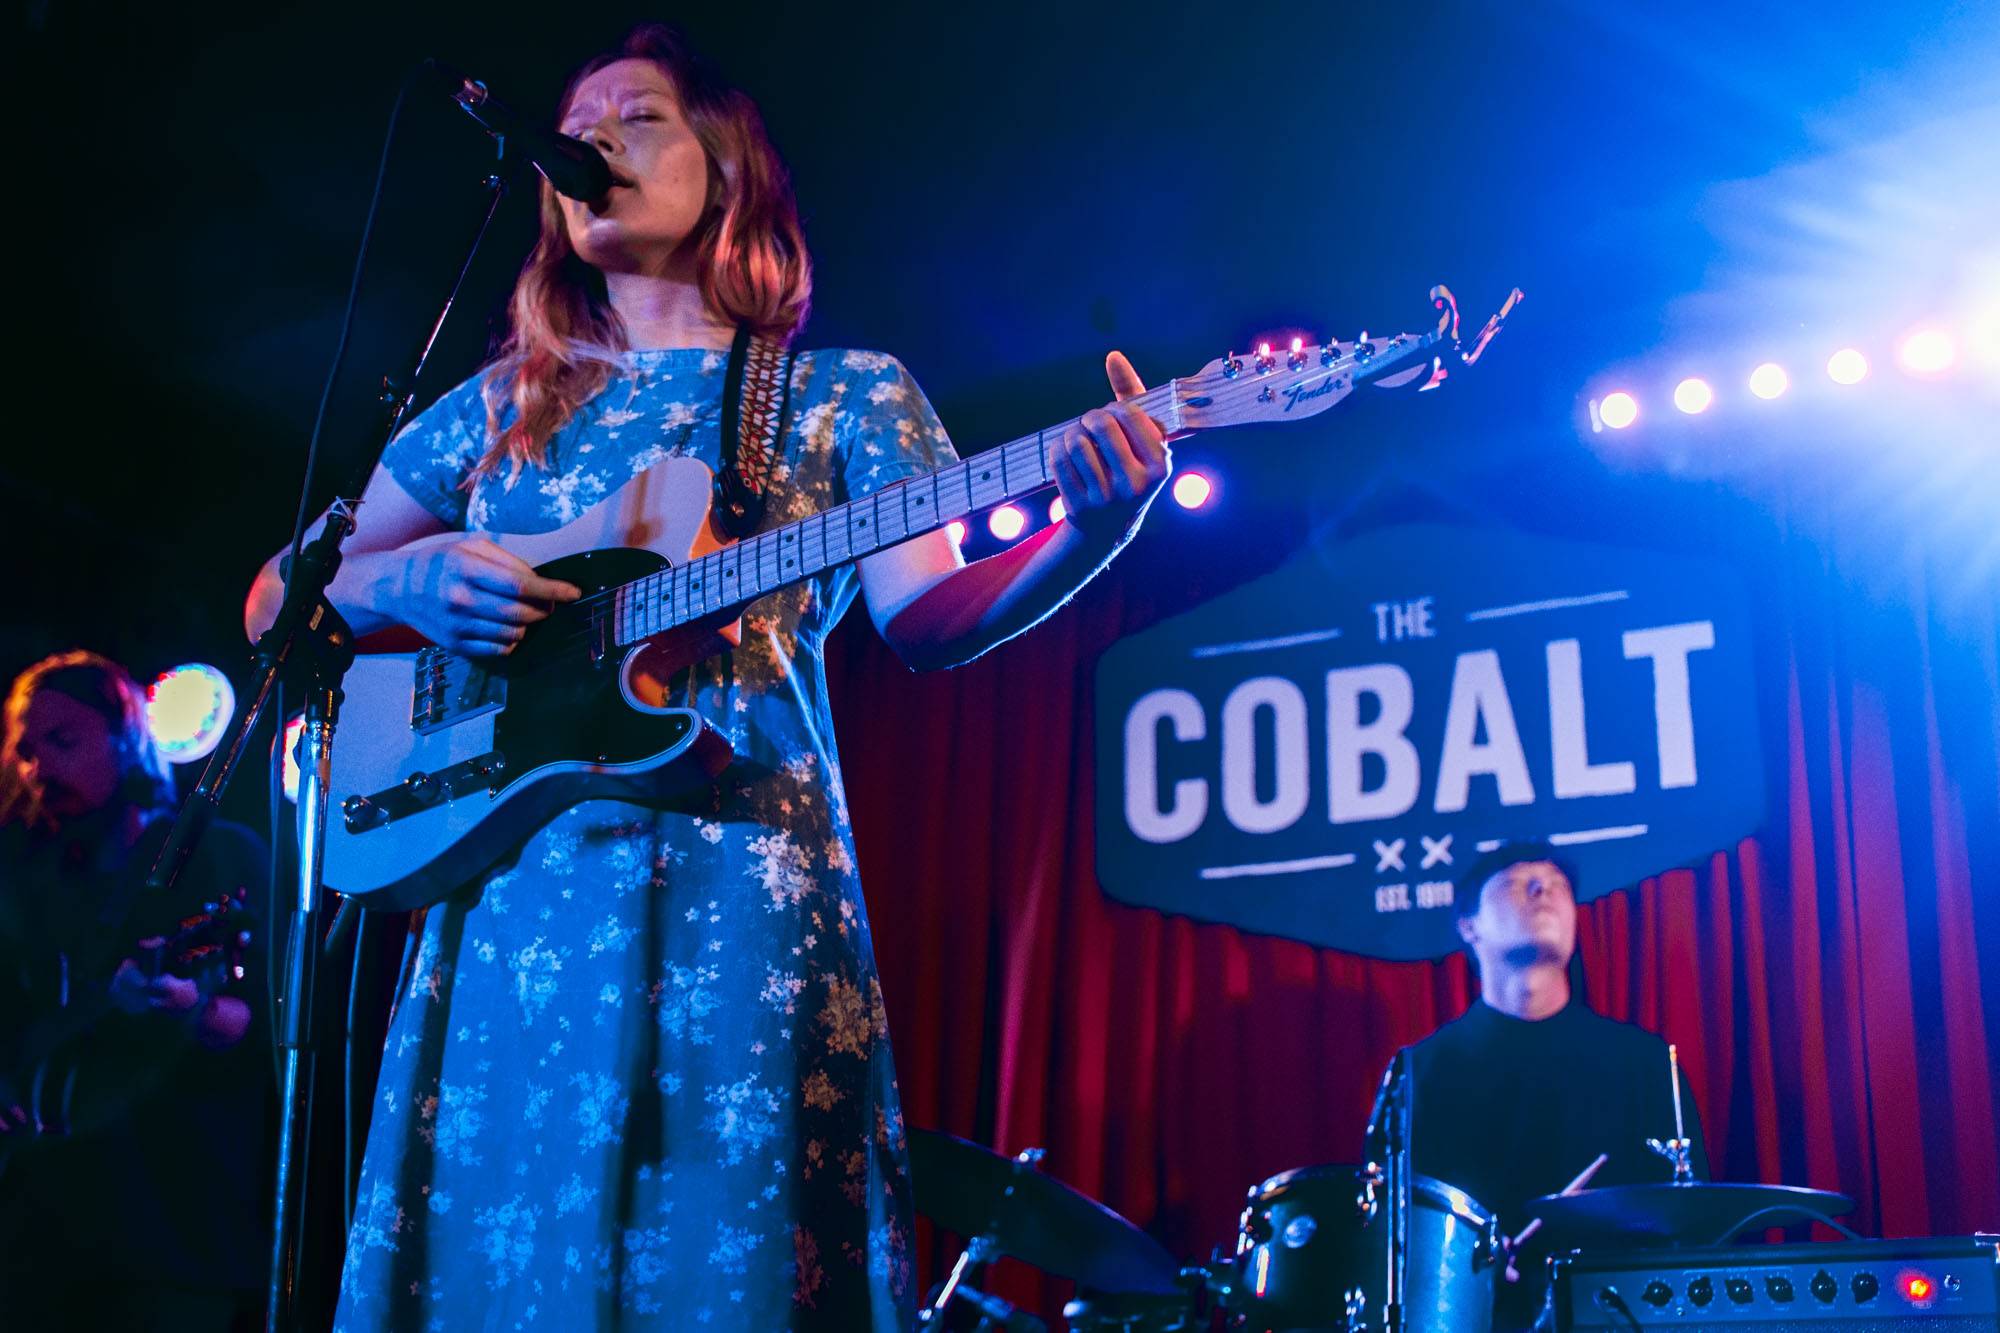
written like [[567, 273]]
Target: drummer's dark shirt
[[1509, 1110]]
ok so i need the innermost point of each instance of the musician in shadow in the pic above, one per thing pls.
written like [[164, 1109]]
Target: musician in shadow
[[1520, 1095], [134, 1063]]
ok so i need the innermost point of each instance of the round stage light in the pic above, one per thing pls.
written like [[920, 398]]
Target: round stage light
[[1192, 490], [1928, 352], [1618, 410], [187, 710], [1057, 510], [956, 531], [1847, 366], [1693, 395], [1769, 380], [1006, 522]]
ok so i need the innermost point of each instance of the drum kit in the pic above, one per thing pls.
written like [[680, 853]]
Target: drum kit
[[1315, 1247]]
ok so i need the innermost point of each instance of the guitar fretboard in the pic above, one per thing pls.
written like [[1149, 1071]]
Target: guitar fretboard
[[899, 511]]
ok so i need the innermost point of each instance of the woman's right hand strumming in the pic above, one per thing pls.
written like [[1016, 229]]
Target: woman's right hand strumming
[[466, 594], [469, 596]]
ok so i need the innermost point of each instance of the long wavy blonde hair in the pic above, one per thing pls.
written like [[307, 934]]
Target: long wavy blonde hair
[[565, 341]]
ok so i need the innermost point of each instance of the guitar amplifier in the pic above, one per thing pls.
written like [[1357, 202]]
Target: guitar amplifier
[[1852, 1286]]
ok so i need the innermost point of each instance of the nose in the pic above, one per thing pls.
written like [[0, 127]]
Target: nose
[[602, 137]]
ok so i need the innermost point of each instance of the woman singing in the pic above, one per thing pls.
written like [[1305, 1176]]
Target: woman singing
[[639, 1077]]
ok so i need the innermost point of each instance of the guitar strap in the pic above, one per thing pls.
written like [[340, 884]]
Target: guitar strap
[[756, 407]]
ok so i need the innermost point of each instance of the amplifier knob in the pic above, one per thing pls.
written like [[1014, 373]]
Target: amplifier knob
[[1778, 1288], [1865, 1287], [1656, 1293], [1701, 1291], [1739, 1290], [1824, 1287]]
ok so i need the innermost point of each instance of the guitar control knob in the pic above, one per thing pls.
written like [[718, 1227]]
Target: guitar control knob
[[1657, 1293], [1739, 1290], [360, 813], [1778, 1288], [421, 786], [1865, 1287], [1701, 1291], [1824, 1287]]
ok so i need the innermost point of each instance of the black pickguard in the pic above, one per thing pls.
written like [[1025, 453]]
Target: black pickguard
[[563, 698]]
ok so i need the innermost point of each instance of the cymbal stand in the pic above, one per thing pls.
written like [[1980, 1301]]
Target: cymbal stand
[[979, 1251], [1676, 1149]]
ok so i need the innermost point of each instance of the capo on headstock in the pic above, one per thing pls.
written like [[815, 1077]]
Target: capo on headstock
[[1448, 329]]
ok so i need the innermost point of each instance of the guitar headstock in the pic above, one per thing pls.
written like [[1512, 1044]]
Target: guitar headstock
[[1302, 380]]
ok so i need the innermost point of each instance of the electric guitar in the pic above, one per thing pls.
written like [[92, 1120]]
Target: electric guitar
[[69, 1083], [447, 763]]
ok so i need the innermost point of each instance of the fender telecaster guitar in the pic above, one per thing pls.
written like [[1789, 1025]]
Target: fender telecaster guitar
[[445, 763]]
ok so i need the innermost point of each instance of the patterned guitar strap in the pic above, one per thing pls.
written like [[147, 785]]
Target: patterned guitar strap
[[756, 406]]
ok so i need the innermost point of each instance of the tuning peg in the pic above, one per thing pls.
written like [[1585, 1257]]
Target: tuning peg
[[1297, 360], [1363, 349], [1231, 367], [1266, 363], [1329, 353]]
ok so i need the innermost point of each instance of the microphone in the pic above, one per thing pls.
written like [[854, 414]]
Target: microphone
[[572, 166]]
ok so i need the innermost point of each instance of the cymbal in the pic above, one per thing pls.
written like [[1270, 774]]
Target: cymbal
[[962, 1187], [1693, 1214]]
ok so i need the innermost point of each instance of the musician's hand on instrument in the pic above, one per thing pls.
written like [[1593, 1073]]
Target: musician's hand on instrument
[[1111, 464], [136, 993], [476, 598]]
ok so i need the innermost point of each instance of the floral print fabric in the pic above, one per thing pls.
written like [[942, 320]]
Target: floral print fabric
[[640, 1077]]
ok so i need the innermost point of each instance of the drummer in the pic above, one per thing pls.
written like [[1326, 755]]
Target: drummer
[[1518, 1096]]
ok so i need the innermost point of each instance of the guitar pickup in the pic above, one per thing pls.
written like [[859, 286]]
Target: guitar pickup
[[449, 690], [420, 791]]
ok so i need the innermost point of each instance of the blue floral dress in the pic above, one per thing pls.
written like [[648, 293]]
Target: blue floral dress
[[640, 1078]]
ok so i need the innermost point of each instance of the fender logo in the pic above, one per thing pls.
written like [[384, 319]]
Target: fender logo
[[1298, 393]]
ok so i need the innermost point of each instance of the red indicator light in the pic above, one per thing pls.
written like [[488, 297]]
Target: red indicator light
[[1917, 1287]]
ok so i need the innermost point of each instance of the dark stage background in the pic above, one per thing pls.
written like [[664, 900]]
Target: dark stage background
[[997, 197]]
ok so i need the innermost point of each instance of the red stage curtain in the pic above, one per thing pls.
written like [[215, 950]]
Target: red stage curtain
[[1834, 982]]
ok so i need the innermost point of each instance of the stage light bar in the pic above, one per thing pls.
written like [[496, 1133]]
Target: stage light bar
[[187, 710], [1847, 366], [1928, 352], [1769, 380], [1693, 396], [1618, 410]]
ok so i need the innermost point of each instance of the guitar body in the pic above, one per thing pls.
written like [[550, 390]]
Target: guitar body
[[444, 765]]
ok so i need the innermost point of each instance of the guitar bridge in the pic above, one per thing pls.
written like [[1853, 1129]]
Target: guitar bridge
[[421, 791], [449, 690]]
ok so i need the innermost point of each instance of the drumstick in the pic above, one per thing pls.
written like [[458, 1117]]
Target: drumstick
[[1582, 1179]]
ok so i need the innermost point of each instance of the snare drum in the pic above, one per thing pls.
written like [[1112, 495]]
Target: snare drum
[[1312, 1253]]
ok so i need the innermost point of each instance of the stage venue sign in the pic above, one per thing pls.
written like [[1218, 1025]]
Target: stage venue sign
[[1318, 754]]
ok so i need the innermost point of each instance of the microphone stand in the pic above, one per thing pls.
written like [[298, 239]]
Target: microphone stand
[[309, 647]]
